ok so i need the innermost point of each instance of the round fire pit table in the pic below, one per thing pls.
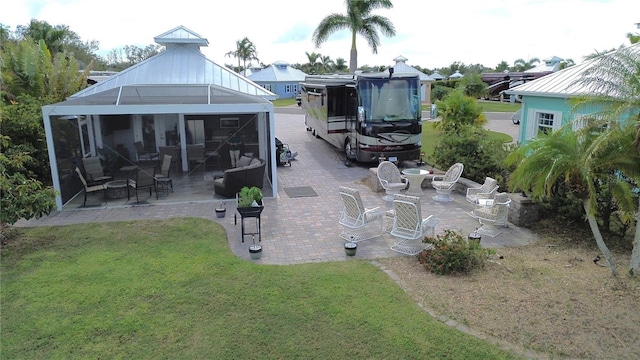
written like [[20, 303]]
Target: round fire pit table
[[116, 189]]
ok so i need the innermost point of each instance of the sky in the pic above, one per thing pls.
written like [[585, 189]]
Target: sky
[[430, 34]]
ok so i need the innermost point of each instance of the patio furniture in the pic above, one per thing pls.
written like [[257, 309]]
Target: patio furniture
[[485, 191], [144, 155], [492, 215], [174, 152], [234, 179], [391, 179], [144, 178], [360, 223], [444, 183], [409, 228], [212, 152], [163, 179], [94, 171], [195, 155], [415, 178], [90, 188]]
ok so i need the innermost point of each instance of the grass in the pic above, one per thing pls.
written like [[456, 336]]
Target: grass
[[173, 289], [497, 106], [284, 102]]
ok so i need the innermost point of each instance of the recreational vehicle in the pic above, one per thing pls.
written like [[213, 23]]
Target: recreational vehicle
[[367, 115]]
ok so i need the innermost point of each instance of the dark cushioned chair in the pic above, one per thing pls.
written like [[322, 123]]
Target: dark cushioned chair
[[236, 178]]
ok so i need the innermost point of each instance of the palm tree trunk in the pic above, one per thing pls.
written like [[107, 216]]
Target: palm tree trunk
[[353, 61], [593, 224], [635, 254]]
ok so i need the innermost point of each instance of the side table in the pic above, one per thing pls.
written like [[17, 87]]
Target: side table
[[415, 177]]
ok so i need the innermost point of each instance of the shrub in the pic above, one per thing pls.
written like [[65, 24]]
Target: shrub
[[451, 253]]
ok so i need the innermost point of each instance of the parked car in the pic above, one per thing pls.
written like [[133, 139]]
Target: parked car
[[515, 118]]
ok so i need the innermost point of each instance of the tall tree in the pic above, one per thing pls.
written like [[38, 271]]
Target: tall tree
[[245, 51], [340, 65], [502, 66], [360, 20]]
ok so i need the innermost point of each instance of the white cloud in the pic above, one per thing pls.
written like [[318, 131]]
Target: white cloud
[[430, 34]]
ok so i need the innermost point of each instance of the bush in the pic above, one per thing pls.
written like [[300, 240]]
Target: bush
[[451, 253]]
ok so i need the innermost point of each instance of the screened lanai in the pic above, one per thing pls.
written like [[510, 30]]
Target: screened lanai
[[172, 100]]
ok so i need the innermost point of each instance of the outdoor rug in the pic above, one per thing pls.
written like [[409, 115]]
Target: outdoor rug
[[300, 191]]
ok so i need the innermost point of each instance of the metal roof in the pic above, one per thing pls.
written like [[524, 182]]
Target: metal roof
[[279, 71], [566, 82], [178, 72], [402, 67]]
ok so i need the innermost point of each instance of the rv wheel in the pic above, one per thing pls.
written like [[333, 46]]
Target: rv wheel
[[347, 148]]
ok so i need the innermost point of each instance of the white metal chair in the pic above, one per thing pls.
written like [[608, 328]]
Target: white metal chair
[[391, 179], [492, 215], [409, 228], [484, 191], [444, 183], [360, 223]]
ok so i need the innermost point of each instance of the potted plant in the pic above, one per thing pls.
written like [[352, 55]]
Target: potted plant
[[221, 210], [249, 196]]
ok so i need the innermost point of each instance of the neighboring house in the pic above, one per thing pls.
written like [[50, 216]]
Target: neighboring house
[[549, 65], [456, 75], [279, 78], [401, 67], [436, 76], [546, 102], [175, 98]]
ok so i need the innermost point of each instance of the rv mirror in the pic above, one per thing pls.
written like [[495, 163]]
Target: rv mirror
[[361, 113]]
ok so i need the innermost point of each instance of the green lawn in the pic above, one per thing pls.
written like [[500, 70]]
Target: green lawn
[[284, 102], [172, 289], [490, 106]]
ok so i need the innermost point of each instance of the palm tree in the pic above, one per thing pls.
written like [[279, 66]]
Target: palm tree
[[245, 50], [360, 21], [326, 63], [521, 65], [555, 158], [340, 65], [613, 83]]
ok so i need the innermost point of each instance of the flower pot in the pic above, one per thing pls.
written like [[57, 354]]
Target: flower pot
[[255, 251], [220, 213], [350, 248]]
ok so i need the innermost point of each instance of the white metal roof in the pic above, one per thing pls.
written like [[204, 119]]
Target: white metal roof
[[402, 67], [566, 82], [181, 66]]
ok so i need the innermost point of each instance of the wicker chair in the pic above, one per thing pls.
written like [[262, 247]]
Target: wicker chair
[[144, 179], [492, 215], [409, 228], [360, 223], [444, 183], [391, 179], [485, 191]]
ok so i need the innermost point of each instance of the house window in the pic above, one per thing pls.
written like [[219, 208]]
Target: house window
[[287, 89], [268, 87], [545, 122]]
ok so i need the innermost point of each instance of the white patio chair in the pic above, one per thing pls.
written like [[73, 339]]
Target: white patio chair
[[409, 228], [444, 183], [492, 215], [391, 179], [484, 191], [360, 223]]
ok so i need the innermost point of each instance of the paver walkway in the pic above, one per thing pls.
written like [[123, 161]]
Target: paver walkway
[[302, 230]]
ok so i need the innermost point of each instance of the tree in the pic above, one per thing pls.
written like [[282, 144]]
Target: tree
[[313, 66], [633, 38], [458, 110], [341, 65], [326, 64], [502, 66], [473, 86], [245, 51], [520, 65], [614, 88], [360, 21]]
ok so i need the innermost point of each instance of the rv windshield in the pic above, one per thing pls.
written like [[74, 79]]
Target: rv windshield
[[389, 100]]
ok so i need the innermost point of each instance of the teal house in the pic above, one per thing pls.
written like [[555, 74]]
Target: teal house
[[547, 101]]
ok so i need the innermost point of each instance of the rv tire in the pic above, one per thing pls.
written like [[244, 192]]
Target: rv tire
[[347, 148]]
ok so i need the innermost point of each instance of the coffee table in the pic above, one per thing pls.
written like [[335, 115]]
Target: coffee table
[[415, 177]]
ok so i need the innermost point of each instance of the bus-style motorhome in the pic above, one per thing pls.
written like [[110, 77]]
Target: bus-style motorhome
[[366, 115]]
